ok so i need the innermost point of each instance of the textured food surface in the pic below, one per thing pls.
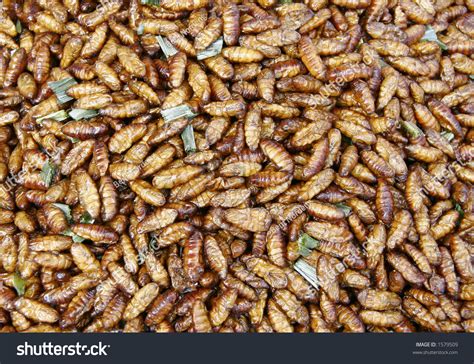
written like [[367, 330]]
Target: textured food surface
[[236, 166]]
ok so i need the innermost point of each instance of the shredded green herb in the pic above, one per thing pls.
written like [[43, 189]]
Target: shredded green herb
[[66, 211], [48, 172]]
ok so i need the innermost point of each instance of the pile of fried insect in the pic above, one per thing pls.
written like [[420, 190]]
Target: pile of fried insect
[[236, 166]]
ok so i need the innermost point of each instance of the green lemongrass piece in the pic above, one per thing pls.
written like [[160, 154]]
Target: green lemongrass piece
[[165, 45], [65, 209], [19, 284], [430, 36], [79, 114], [18, 26], [177, 112], [150, 2], [286, 1], [307, 271], [447, 135], [213, 50], [60, 115], [346, 209], [188, 139], [48, 172], [60, 87], [303, 251], [75, 238], [412, 130]]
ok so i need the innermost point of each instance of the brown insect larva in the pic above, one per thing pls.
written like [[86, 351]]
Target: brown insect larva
[[87, 192], [215, 257], [252, 219], [225, 108], [222, 306], [193, 258], [420, 314], [126, 110], [399, 229], [241, 54], [95, 232], [278, 319], [161, 307], [36, 311], [200, 317], [403, 265], [131, 62], [198, 81], [139, 302]]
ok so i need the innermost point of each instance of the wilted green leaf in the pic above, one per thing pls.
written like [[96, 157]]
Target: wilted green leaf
[[347, 210], [66, 211], [48, 172], [19, 284], [412, 130], [75, 238], [86, 218]]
